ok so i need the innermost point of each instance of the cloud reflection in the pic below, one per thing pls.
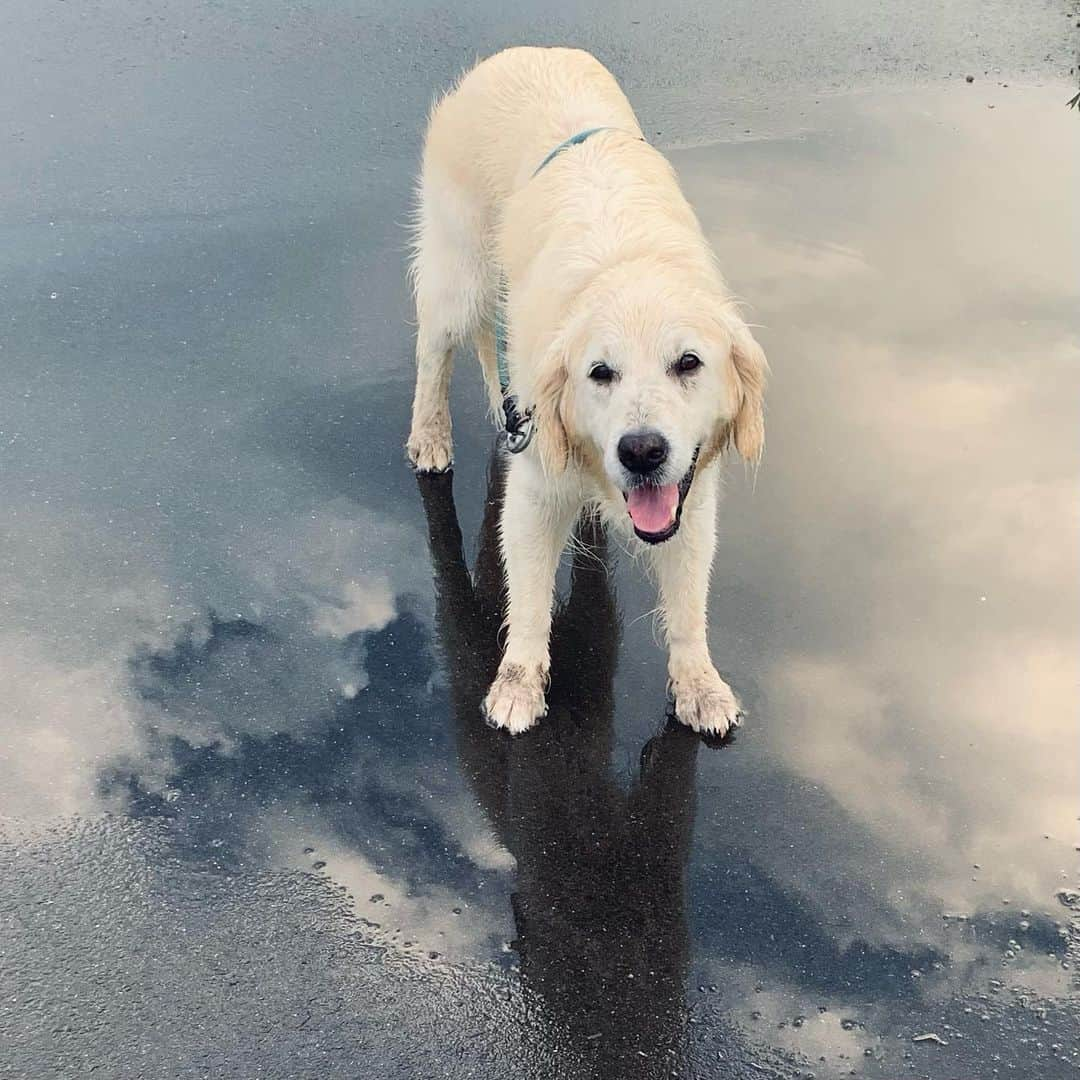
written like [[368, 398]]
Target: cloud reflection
[[910, 545], [217, 616]]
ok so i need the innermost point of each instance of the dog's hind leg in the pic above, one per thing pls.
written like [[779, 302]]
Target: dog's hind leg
[[430, 446], [449, 277]]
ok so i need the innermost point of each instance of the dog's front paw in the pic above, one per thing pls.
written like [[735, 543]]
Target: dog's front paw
[[704, 702], [431, 449], [516, 698]]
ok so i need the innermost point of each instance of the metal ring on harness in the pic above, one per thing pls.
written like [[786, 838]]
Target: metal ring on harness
[[518, 425]]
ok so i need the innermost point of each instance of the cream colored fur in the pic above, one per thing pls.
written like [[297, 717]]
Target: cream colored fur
[[602, 260]]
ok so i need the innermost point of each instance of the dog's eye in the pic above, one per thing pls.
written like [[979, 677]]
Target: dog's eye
[[686, 364], [601, 373]]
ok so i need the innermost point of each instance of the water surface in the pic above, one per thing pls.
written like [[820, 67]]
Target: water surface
[[253, 823]]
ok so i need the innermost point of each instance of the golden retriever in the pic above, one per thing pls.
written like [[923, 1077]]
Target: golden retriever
[[546, 219]]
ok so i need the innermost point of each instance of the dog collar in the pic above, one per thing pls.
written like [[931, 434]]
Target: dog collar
[[574, 140]]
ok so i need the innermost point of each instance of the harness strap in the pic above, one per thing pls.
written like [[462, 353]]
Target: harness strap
[[574, 140], [500, 345], [518, 424]]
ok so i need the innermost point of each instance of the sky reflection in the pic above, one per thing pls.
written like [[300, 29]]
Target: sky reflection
[[219, 619]]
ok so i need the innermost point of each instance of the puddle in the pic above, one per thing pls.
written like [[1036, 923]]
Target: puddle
[[247, 789]]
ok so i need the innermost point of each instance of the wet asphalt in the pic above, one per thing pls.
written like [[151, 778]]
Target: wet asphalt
[[250, 822]]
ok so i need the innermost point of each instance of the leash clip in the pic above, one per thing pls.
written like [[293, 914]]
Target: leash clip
[[517, 425]]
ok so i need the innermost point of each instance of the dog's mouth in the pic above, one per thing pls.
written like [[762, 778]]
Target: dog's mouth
[[656, 509]]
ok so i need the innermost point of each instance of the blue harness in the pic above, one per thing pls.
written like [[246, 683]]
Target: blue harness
[[516, 422]]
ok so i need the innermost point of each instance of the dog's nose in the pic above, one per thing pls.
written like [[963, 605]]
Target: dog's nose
[[643, 451]]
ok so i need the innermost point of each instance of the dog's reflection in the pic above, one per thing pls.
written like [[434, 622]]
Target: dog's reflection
[[599, 906]]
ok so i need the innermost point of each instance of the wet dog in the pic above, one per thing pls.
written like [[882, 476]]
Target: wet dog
[[555, 239]]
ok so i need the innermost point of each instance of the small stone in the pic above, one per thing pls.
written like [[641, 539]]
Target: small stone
[[969, 78]]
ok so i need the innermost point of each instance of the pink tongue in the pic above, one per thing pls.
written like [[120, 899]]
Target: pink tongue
[[652, 509]]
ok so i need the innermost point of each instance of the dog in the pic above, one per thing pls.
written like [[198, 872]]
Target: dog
[[555, 239]]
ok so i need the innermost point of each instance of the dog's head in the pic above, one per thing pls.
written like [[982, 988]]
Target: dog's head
[[649, 379]]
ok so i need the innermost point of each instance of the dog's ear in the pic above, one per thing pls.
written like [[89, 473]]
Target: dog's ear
[[552, 440], [747, 429]]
